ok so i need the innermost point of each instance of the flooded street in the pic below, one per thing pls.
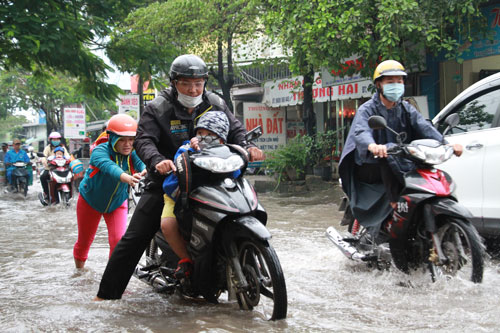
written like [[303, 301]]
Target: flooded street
[[41, 291]]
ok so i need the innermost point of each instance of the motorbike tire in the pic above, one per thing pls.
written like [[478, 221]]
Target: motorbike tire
[[25, 189], [133, 199], [66, 198], [267, 290], [462, 247]]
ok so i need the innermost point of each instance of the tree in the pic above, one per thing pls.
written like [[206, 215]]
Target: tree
[[135, 50], [323, 33], [285, 30], [10, 125], [208, 28], [374, 30], [50, 92], [57, 35]]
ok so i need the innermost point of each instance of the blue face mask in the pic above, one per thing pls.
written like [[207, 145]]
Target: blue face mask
[[55, 142], [393, 91]]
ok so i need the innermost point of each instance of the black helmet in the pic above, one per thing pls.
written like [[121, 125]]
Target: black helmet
[[189, 66]]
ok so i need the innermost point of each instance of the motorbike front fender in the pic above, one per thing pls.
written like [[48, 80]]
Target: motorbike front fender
[[449, 207], [249, 225], [443, 207]]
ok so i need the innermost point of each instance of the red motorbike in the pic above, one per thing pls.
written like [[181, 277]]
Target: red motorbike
[[440, 236], [61, 181]]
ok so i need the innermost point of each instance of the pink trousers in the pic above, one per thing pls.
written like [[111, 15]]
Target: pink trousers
[[88, 221]]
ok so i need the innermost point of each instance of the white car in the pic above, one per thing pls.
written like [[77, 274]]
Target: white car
[[478, 184]]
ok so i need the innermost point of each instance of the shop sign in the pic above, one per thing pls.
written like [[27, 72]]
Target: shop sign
[[148, 96], [289, 91], [74, 122], [128, 103], [272, 121], [486, 47], [332, 77]]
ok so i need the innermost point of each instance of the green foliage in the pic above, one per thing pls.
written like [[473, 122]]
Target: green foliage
[[322, 147], [9, 126], [293, 155], [325, 32], [41, 36], [137, 49], [211, 29], [20, 89]]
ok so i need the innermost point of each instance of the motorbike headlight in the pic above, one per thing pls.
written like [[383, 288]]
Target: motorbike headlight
[[219, 165], [432, 155], [416, 152]]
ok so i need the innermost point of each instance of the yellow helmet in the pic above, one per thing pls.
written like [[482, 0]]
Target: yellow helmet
[[389, 68]]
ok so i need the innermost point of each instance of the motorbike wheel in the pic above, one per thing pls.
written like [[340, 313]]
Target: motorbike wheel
[[66, 198], [267, 290], [464, 252], [133, 199]]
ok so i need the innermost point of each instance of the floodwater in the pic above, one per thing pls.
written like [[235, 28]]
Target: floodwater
[[41, 291]]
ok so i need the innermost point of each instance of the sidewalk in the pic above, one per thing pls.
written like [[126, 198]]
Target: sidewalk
[[263, 184]]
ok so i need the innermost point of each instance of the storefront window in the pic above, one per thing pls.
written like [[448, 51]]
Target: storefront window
[[339, 119]]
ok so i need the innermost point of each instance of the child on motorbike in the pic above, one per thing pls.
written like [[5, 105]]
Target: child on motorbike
[[55, 141], [211, 129], [114, 165], [58, 153]]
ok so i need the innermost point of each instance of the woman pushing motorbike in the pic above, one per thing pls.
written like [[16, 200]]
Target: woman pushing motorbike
[[114, 165], [371, 178]]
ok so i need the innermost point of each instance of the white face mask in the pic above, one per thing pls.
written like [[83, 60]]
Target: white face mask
[[188, 101]]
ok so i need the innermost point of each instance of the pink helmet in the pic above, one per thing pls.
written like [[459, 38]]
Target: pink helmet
[[54, 135]]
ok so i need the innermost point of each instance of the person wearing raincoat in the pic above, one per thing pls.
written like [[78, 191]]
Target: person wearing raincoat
[[371, 179]]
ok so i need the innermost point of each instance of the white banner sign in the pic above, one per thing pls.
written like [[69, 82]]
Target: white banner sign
[[129, 103], [289, 91], [74, 123], [272, 121]]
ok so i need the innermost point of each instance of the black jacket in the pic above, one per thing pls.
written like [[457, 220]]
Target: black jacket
[[165, 124]]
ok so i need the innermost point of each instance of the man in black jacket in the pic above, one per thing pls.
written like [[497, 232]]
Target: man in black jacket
[[167, 121]]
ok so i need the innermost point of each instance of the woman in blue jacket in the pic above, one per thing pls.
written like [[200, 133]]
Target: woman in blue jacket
[[114, 165]]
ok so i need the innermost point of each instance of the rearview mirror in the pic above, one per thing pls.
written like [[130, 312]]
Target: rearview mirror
[[253, 134], [377, 122], [452, 120]]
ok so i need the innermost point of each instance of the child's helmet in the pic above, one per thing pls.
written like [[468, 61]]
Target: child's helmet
[[215, 121]]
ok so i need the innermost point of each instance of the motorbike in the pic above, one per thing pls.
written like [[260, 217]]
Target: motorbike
[[440, 238], [228, 241], [134, 194], [20, 177], [61, 181]]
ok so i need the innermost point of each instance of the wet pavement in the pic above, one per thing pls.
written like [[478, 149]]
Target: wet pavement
[[41, 291]]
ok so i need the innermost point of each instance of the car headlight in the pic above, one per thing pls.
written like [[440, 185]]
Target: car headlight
[[219, 165]]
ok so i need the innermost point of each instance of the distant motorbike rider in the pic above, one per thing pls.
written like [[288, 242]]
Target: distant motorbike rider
[[16, 154], [371, 179], [55, 140], [166, 123], [5, 149]]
